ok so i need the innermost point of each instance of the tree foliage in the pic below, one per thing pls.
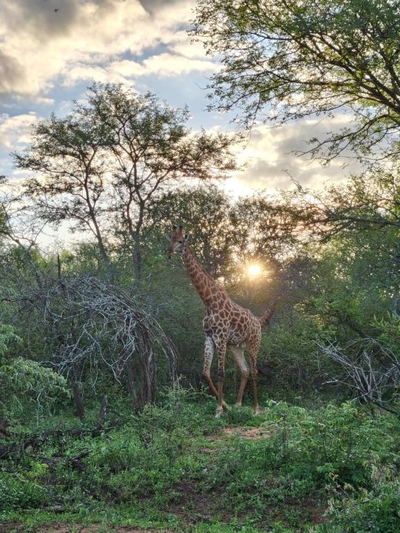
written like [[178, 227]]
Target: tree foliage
[[204, 213], [285, 60], [28, 383], [101, 167]]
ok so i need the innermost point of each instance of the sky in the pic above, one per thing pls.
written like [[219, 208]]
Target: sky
[[51, 51]]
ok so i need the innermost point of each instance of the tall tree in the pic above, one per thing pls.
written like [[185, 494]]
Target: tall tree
[[284, 60], [103, 165], [265, 226], [69, 156], [19, 230], [204, 213]]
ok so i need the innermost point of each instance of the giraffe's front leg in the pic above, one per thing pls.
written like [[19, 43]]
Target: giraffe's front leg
[[209, 349]]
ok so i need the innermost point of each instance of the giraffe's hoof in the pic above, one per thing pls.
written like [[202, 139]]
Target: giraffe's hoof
[[225, 407], [258, 411], [219, 412]]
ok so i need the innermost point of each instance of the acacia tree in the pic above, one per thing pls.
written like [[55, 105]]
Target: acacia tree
[[204, 214], [265, 226], [68, 156], [103, 165], [284, 60]]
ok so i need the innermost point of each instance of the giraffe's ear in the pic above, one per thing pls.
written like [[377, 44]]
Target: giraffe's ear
[[186, 237]]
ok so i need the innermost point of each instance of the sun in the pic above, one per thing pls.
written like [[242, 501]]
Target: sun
[[254, 270]]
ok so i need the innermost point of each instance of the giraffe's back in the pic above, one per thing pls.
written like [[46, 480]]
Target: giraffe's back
[[233, 323]]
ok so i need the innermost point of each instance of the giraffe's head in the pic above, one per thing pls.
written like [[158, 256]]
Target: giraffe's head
[[177, 241]]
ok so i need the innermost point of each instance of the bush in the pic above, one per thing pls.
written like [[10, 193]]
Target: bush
[[29, 385], [369, 511], [174, 461], [148, 455], [336, 443], [17, 492]]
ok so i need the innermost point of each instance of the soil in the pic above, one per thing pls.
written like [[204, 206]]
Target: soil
[[247, 433]]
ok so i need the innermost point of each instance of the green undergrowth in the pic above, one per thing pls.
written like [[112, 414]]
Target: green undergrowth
[[175, 467]]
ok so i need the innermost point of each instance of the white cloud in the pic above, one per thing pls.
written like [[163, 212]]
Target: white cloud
[[81, 72], [15, 130], [154, 6], [127, 68], [272, 159], [48, 41], [167, 64], [14, 136]]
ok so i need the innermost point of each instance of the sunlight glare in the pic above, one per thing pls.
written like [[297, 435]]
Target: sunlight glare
[[253, 270]]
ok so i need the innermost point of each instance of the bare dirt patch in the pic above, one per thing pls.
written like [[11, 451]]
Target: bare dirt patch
[[247, 433]]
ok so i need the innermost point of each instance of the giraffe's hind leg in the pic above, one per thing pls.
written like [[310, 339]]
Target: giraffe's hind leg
[[209, 349], [253, 353], [238, 354]]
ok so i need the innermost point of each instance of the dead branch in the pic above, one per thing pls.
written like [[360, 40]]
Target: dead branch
[[368, 369], [92, 326]]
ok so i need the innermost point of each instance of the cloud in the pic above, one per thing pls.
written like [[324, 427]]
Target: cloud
[[45, 42], [12, 73], [152, 6], [15, 130], [127, 68], [44, 20], [173, 64], [14, 135], [272, 159]]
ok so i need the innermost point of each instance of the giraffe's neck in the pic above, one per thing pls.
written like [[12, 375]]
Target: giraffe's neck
[[204, 284]]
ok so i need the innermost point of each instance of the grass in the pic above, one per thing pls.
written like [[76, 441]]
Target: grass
[[175, 468]]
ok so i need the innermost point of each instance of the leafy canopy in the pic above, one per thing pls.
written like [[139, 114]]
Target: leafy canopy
[[101, 167], [288, 59]]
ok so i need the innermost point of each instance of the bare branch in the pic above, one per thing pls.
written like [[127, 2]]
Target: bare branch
[[368, 369], [91, 324]]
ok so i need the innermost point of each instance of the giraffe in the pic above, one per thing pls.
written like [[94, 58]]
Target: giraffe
[[227, 325]]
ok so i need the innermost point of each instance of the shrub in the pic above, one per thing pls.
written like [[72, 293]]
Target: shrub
[[17, 492], [369, 511]]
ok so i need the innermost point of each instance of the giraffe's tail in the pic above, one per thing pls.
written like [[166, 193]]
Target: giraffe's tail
[[265, 318]]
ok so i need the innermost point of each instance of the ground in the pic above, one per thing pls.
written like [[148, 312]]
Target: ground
[[193, 508]]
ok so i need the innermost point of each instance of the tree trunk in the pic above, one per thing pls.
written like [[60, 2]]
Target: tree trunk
[[76, 387], [130, 372]]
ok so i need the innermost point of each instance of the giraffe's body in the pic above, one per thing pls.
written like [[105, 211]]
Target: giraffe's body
[[226, 325]]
